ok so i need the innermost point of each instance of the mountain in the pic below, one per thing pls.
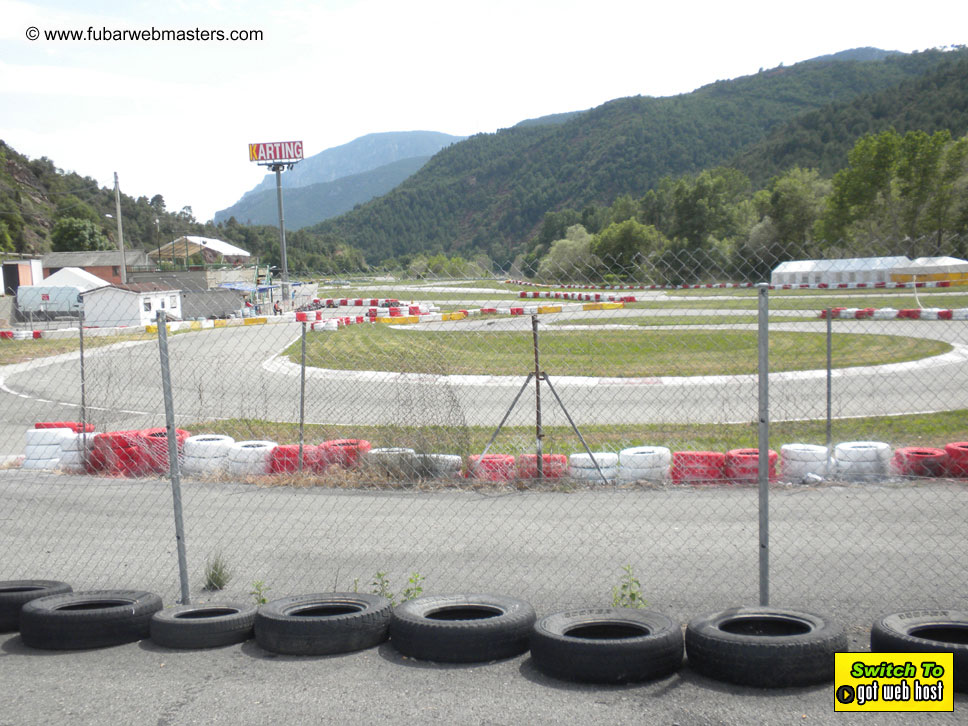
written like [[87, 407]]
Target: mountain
[[490, 192], [315, 202]]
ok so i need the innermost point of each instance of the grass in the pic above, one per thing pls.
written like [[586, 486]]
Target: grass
[[21, 351], [618, 353], [933, 430], [662, 319]]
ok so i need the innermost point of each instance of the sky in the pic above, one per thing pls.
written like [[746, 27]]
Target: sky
[[175, 118]]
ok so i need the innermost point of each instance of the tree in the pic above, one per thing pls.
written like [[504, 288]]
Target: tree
[[623, 245], [72, 234], [570, 259], [6, 241]]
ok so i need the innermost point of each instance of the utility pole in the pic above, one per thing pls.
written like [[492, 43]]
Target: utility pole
[[117, 205], [277, 168]]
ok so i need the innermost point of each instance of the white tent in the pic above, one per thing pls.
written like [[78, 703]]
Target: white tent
[[74, 277], [865, 270], [931, 268]]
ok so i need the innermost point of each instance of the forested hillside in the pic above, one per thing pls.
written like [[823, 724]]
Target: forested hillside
[[491, 192]]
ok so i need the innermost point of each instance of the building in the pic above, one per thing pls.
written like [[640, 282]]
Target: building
[[867, 270], [20, 272], [105, 264], [57, 294], [120, 305]]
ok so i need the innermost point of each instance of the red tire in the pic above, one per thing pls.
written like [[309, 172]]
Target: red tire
[[342, 452], [957, 458], [74, 426], [491, 467], [743, 465], [697, 467], [155, 443], [284, 459], [919, 461], [553, 466]]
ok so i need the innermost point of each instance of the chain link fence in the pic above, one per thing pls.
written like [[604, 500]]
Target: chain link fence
[[524, 431]]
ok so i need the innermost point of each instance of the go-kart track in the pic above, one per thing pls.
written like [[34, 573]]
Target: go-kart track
[[258, 381]]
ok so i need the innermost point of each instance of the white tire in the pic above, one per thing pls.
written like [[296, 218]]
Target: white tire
[[627, 474], [442, 465], [249, 458], [72, 461], [45, 437], [45, 464], [807, 453], [609, 472], [857, 451], [885, 314], [795, 471], [77, 442], [605, 460], [861, 470], [645, 457], [45, 451], [396, 461], [207, 446]]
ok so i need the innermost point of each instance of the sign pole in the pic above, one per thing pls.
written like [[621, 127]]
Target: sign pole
[[277, 168]]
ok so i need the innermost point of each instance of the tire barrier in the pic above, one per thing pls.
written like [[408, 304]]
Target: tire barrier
[[284, 459], [249, 458], [74, 426], [802, 462], [133, 453], [607, 645], [862, 460], [764, 647], [203, 626], [206, 454], [394, 462], [644, 463], [957, 458], [742, 466], [345, 453], [698, 467], [323, 624], [582, 466], [14, 594], [491, 467], [892, 314], [553, 466], [439, 466], [94, 619], [462, 628], [919, 461], [926, 631]]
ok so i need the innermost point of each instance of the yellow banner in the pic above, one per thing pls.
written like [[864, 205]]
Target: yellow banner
[[893, 682]]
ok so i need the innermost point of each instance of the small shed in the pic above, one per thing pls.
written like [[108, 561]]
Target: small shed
[[136, 303], [932, 269], [868, 270]]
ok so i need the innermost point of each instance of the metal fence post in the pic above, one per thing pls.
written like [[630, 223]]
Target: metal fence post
[[302, 396], [763, 467], [80, 336], [830, 390], [173, 457]]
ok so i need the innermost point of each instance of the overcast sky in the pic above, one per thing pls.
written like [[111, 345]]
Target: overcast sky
[[175, 118]]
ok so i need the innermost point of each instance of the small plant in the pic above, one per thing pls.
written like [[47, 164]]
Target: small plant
[[259, 590], [413, 589], [628, 594], [381, 586], [217, 573]]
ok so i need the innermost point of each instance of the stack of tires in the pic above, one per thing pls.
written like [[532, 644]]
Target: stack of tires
[[919, 461], [742, 466], [553, 466], [801, 462], [344, 453], [862, 460], [75, 450], [133, 453], [284, 459], [394, 462], [439, 466], [698, 467], [205, 454], [43, 449], [491, 467], [956, 459], [583, 466], [649, 463], [249, 458]]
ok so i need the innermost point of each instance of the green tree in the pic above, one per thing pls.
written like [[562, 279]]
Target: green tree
[[622, 246], [70, 234], [570, 259], [6, 241]]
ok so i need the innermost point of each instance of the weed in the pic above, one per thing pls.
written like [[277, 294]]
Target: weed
[[217, 573], [259, 590], [381, 586], [413, 589], [628, 594]]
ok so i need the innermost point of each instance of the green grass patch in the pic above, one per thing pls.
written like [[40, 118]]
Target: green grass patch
[[661, 319], [21, 351], [608, 353]]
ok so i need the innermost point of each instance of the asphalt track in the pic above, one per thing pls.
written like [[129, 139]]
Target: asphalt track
[[238, 372]]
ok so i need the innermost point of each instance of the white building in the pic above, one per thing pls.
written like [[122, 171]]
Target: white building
[[136, 303], [868, 270]]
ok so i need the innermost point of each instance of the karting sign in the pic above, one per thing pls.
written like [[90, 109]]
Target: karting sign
[[276, 151]]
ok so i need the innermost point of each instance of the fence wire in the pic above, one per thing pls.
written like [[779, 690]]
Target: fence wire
[[332, 434]]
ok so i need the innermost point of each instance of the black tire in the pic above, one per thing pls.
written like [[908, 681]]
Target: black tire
[[203, 626], [765, 647], [926, 631], [94, 619], [322, 624], [15, 593], [462, 628], [607, 645]]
